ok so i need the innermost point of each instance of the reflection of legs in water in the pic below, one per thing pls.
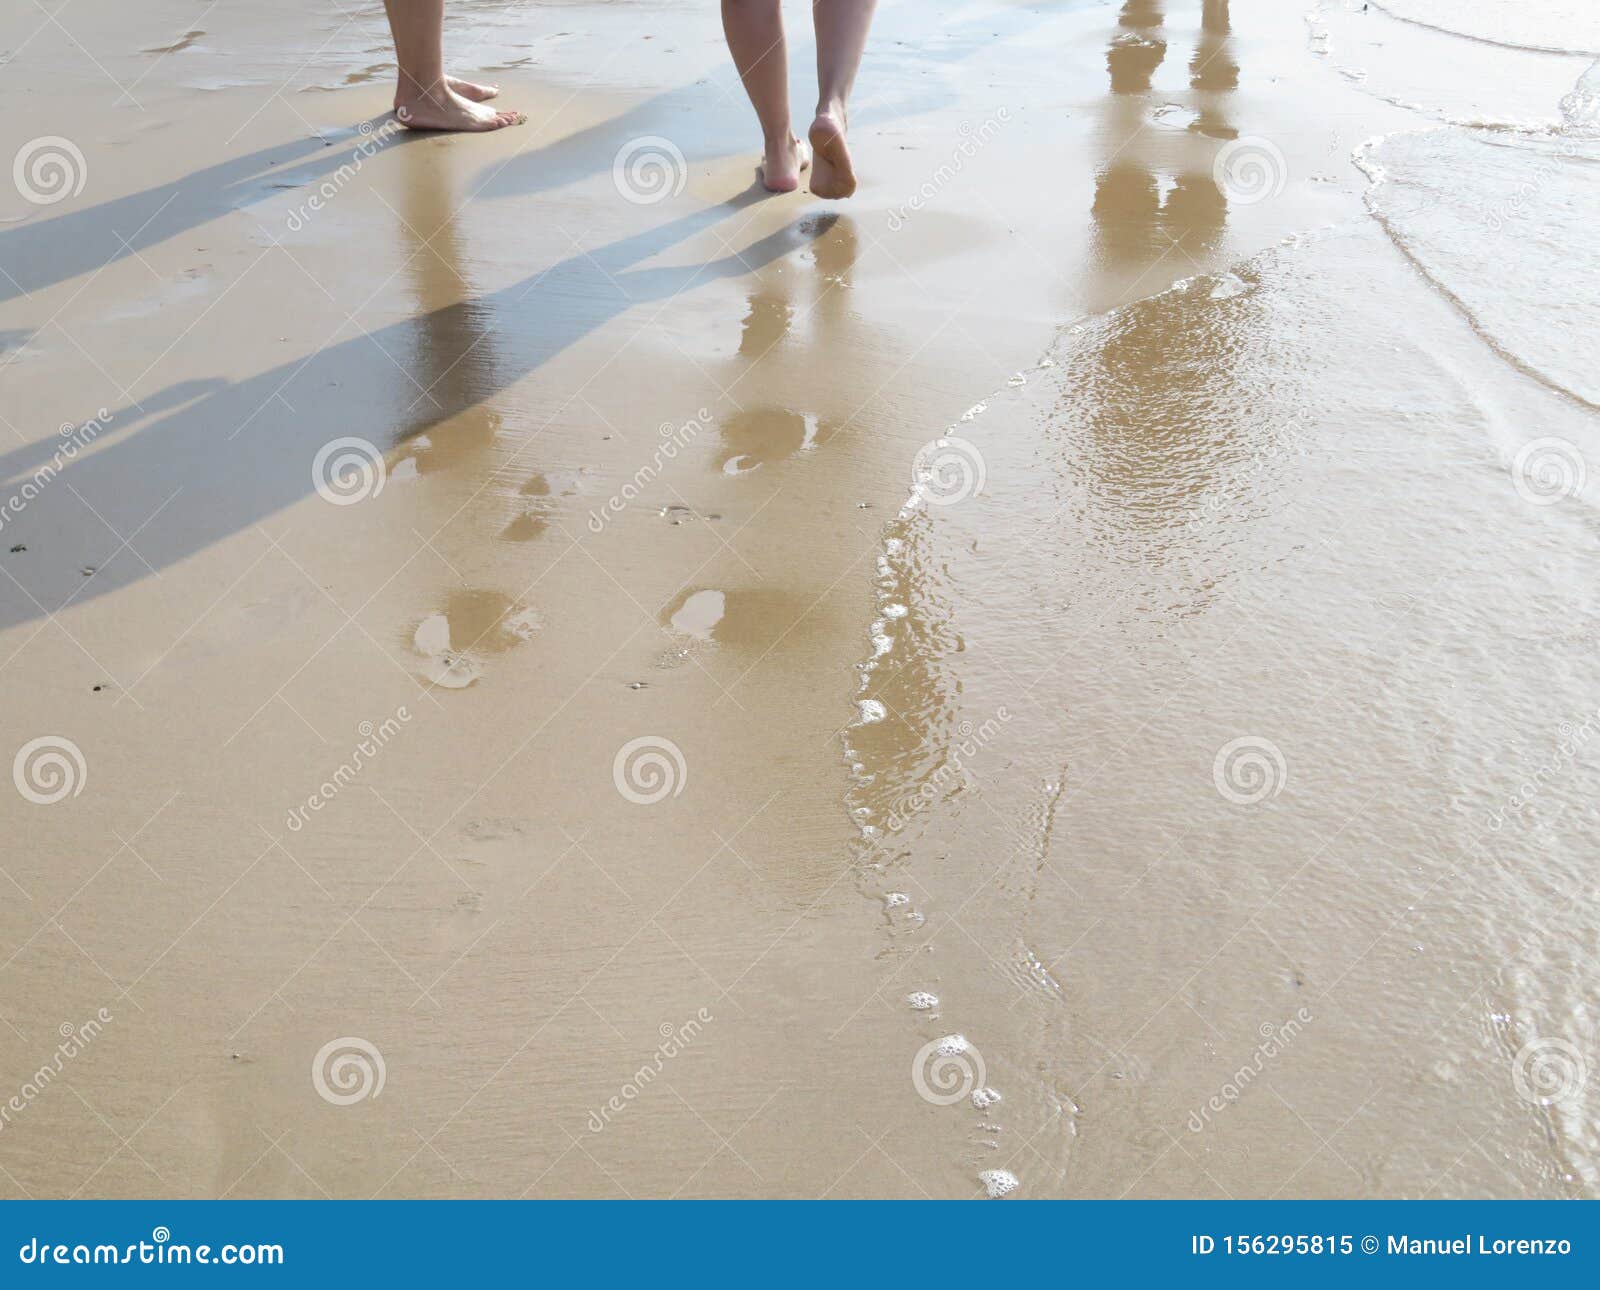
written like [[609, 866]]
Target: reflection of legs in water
[[1139, 48], [1213, 66], [425, 98], [755, 38], [754, 29], [1213, 72], [841, 37]]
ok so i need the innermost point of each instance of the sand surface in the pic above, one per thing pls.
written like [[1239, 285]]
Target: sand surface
[[535, 669]]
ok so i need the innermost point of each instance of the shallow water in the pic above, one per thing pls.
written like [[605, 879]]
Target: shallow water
[[1236, 726]]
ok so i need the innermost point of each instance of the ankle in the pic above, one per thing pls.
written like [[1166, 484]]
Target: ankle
[[411, 90], [833, 109], [783, 139]]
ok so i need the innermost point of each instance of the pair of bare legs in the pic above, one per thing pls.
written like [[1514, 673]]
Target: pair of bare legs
[[426, 98], [755, 38]]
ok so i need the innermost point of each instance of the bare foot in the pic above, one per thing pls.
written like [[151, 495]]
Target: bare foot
[[781, 166], [444, 109], [832, 174], [472, 91]]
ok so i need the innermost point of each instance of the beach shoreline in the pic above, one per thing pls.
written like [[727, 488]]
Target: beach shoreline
[[514, 643]]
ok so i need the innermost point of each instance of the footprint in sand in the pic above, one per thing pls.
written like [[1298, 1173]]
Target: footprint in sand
[[536, 502], [473, 624], [747, 619], [493, 857], [450, 445], [764, 436], [700, 614]]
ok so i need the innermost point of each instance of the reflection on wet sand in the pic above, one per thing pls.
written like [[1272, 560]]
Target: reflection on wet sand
[[764, 436], [1145, 409], [1158, 211], [1160, 401], [449, 359], [1213, 71]]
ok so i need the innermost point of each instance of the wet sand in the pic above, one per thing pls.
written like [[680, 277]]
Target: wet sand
[[485, 636]]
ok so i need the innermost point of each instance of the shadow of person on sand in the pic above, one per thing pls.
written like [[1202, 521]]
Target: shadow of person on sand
[[43, 252], [212, 458]]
